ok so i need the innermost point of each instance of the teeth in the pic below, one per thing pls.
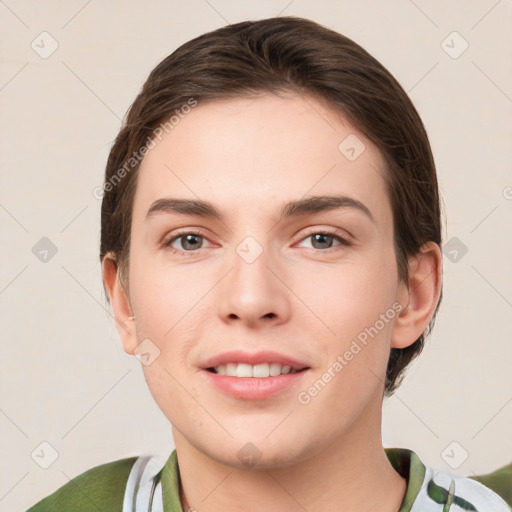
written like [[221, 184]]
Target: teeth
[[244, 370], [275, 369], [258, 370]]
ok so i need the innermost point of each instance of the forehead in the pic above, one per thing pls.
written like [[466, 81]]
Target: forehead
[[256, 153]]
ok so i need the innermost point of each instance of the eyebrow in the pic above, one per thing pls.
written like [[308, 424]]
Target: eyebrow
[[307, 206]]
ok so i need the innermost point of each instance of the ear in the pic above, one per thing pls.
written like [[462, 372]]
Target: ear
[[120, 303], [419, 297]]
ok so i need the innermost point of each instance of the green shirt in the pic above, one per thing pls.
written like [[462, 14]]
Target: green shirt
[[102, 488]]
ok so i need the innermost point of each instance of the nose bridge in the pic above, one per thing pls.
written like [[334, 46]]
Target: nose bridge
[[252, 291], [251, 260], [254, 250]]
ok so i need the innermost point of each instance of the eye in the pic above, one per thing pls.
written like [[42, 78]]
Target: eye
[[323, 240], [189, 241]]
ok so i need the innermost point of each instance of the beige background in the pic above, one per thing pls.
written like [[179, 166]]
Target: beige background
[[64, 377]]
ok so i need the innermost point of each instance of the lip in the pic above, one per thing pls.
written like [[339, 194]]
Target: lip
[[265, 356], [252, 388]]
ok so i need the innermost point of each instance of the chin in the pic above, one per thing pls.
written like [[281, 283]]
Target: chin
[[255, 457]]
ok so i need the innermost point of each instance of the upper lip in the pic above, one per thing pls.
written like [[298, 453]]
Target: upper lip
[[266, 356]]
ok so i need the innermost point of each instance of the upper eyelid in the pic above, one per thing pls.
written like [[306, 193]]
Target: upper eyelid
[[167, 241]]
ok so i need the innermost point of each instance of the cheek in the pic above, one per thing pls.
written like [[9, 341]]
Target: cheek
[[357, 307], [166, 296], [349, 297]]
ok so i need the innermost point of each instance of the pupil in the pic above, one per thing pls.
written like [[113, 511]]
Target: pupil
[[322, 236], [187, 241]]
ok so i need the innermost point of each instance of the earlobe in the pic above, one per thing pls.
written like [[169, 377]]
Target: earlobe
[[120, 303], [419, 297]]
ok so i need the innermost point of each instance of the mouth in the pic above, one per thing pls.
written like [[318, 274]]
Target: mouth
[[262, 381], [258, 371]]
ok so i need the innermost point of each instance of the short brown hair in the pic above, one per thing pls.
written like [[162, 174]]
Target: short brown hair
[[276, 55]]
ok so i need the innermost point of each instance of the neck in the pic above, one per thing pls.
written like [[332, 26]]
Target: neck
[[351, 474]]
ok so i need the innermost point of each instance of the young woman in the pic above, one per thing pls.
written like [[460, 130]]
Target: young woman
[[270, 245]]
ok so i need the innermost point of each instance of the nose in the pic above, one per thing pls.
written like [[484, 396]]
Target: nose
[[254, 291]]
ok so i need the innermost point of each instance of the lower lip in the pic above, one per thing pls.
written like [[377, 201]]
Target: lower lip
[[252, 388]]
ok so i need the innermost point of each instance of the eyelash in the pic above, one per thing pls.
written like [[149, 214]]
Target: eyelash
[[343, 241]]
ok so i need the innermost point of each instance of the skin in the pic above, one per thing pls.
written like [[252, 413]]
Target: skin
[[248, 156]]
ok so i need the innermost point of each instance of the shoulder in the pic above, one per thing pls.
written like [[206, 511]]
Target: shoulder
[[100, 489], [500, 481], [453, 492], [461, 493], [438, 490]]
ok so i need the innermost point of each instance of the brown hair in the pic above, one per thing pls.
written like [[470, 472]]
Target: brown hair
[[278, 55]]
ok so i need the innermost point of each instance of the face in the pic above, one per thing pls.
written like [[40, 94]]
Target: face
[[309, 285]]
